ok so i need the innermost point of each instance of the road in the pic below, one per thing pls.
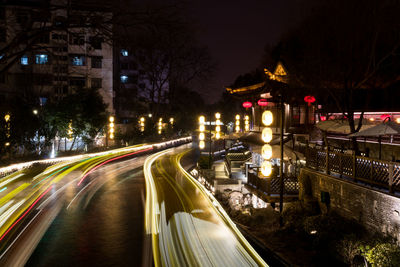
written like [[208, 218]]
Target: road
[[186, 225], [93, 211], [30, 204]]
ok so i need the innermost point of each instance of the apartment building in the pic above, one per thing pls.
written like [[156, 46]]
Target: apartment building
[[64, 59]]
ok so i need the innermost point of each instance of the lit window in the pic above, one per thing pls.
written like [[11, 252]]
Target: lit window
[[78, 60], [41, 59], [124, 52], [124, 78], [24, 60]]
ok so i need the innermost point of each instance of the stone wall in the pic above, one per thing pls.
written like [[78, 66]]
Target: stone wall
[[375, 210]]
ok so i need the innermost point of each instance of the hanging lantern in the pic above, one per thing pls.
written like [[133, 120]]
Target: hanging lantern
[[262, 102], [266, 168], [267, 118], [309, 99], [247, 104], [266, 151], [217, 135], [202, 144], [201, 136], [266, 135], [202, 119]]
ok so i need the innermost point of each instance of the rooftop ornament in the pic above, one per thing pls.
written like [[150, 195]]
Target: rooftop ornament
[[309, 99]]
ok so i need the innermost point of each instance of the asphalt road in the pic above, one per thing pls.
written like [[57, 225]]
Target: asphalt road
[[187, 225]]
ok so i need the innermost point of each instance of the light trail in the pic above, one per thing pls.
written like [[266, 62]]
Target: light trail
[[187, 226], [26, 212], [4, 188]]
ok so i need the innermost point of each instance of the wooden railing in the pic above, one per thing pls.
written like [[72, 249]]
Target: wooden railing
[[271, 186], [384, 174]]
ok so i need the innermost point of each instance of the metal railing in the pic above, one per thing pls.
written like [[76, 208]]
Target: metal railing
[[384, 174], [271, 186]]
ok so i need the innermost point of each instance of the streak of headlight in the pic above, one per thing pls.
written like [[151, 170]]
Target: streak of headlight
[[225, 216], [10, 180], [26, 212], [9, 212], [50, 176], [112, 159], [13, 193]]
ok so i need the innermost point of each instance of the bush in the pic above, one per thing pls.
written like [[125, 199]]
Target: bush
[[204, 162], [383, 254], [349, 248]]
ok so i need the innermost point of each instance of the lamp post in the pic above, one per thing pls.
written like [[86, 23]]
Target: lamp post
[[217, 125], [237, 123], [201, 130], [7, 119], [160, 126], [141, 124], [111, 128], [266, 151]]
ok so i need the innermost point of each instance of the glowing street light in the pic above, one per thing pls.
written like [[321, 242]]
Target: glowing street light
[[217, 125], [160, 126], [141, 123], [35, 111], [246, 123], [202, 128], [237, 123], [111, 128], [267, 118]]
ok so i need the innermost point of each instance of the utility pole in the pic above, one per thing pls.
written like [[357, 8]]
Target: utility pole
[[281, 166]]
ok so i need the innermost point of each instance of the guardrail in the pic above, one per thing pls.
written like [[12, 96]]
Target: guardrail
[[271, 186], [385, 174]]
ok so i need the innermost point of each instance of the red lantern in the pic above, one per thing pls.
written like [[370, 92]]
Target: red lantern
[[247, 104], [323, 118], [309, 99], [262, 102], [384, 116]]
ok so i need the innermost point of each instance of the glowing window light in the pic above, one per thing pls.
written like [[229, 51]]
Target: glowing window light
[[217, 128], [267, 118], [202, 144], [266, 168], [237, 117], [217, 115], [266, 151], [217, 135], [202, 128], [202, 119], [201, 136], [266, 135]]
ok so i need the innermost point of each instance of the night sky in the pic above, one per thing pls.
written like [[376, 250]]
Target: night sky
[[236, 33]]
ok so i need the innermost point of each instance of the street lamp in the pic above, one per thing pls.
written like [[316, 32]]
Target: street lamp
[[111, 128], [202, 128], [246, 123], [217, 125], [141, 123], [160, 126], [266, 150], [237, 123]]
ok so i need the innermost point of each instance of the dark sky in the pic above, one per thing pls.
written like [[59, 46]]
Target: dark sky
[[236, 33]]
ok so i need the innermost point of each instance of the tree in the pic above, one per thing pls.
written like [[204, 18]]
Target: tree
[[342, 51], [84, 110]]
